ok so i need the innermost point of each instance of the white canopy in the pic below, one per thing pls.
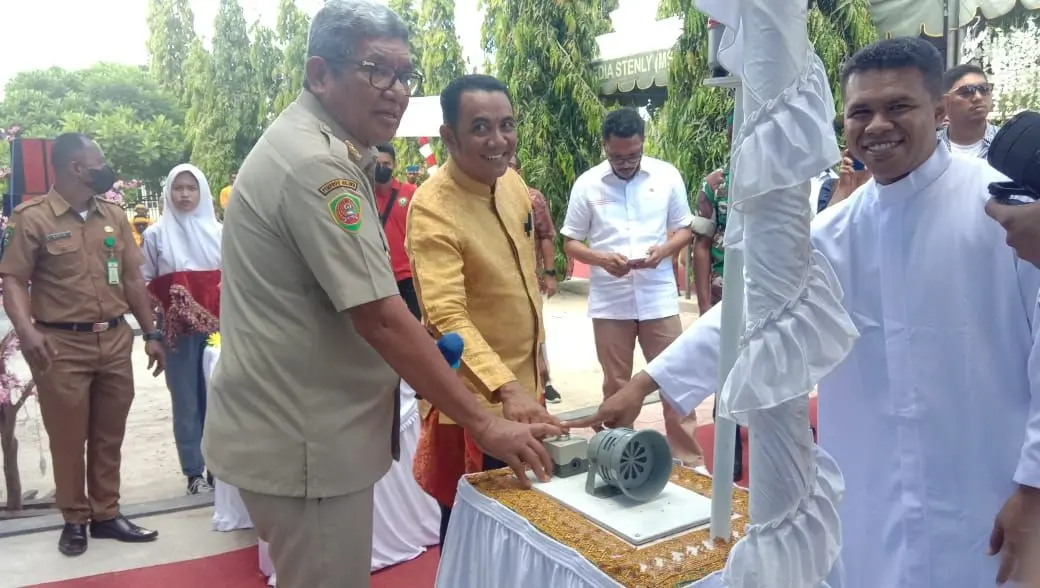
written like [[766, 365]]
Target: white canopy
[[422, 118], [908, 18], [796, 329]]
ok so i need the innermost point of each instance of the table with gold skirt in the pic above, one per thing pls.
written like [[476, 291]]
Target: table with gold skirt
[[503, 536]]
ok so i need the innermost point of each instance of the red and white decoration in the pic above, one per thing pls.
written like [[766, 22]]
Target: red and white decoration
[[427, 152]]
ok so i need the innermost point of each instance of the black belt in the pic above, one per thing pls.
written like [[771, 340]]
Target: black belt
[[84, 327]]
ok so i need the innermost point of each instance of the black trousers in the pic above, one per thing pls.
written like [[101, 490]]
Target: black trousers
[[738, 457], [490, 463], [407, 289]]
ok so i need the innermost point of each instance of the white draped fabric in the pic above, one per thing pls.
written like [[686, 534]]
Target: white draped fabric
[[489, 545], [935, 415], [406, 520], [909, 18], [797, 330]]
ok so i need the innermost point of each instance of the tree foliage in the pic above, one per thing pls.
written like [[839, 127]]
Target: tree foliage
[[544, 51], [440, 60], [136, 122], [291, 30], [407, 148], [224, 126], [171, 31]]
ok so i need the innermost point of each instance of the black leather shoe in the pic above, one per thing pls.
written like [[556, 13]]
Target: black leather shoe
[[73, 540], [121, 529]]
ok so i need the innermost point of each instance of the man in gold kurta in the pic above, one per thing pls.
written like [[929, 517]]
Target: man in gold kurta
[[470, 238]]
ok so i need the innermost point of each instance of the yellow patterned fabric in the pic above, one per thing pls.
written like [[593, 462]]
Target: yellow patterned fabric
[[664, 564], [472, 251]]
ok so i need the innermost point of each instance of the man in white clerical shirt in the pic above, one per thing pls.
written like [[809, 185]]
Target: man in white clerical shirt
[[934, 417]]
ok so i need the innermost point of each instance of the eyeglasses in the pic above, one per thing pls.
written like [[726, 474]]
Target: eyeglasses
[[969, 90], [383, 78], [629, 159]]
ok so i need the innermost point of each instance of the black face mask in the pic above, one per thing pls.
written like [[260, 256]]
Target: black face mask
[[102, 179], [383, 174]]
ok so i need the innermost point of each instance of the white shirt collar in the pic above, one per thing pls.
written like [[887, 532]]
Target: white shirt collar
[[920, 179]]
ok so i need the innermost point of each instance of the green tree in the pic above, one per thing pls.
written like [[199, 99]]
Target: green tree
[[690, 129], [266, 60], [224, 125], [544, 51], [291, 30], [137, 123], [407, 148], [170, 33], [441, 56]]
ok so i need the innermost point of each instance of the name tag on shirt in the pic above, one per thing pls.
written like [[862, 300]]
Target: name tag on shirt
[[58, 236]]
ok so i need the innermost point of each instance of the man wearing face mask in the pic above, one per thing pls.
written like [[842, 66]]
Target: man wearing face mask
[[79, 253], [392, 200]]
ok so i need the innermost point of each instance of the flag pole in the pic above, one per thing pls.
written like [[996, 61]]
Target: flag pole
[[732, 326]]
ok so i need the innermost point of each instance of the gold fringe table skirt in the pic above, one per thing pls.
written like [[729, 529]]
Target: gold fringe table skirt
[[668, 563]]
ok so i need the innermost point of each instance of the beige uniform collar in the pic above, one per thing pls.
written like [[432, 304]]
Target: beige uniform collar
[[362, 157], [60, 206]]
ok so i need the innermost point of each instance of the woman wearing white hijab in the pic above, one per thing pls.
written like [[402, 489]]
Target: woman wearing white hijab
[[182, 269]]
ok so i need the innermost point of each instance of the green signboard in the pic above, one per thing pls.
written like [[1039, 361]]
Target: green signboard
[[641, 71]]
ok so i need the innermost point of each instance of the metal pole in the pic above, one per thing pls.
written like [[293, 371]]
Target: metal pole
[[729, 339], [952, 14]]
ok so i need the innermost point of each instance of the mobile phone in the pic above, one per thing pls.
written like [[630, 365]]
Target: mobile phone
[[635, 262], [857, 165]]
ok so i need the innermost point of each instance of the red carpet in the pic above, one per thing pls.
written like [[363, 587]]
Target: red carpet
[[238, 569]]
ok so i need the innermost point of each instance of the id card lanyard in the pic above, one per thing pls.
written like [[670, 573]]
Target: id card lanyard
[[112, 263]]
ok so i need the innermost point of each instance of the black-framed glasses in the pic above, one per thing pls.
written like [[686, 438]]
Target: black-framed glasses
[[628, 159], [969, 90], [382, 77]]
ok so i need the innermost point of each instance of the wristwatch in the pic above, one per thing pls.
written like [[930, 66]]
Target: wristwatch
[[155, 335], [549, 272]]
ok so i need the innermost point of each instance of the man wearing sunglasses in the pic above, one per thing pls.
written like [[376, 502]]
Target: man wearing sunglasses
[[968, 101]]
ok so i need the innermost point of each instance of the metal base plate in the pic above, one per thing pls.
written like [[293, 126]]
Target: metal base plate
[[674, 511]]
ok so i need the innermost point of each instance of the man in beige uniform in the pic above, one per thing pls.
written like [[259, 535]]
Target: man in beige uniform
[[78, 252], [302, 410]]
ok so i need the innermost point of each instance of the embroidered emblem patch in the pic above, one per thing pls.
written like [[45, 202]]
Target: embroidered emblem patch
[[402, 201], [346, 212], [8, 233], [328, 187]]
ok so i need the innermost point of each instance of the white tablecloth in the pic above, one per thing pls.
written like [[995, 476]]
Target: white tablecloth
[[406, 519], [490, 545]]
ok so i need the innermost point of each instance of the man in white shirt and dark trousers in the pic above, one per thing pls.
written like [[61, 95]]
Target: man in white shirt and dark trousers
[[618, 222]]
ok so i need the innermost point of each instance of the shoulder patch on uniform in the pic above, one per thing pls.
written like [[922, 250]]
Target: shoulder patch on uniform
[[345, 211], [35, 201], [8, 233], [328, 187]]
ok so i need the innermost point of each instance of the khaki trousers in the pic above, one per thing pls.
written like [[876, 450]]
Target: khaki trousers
[[316, 542], [84, 399], [615, 347]]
